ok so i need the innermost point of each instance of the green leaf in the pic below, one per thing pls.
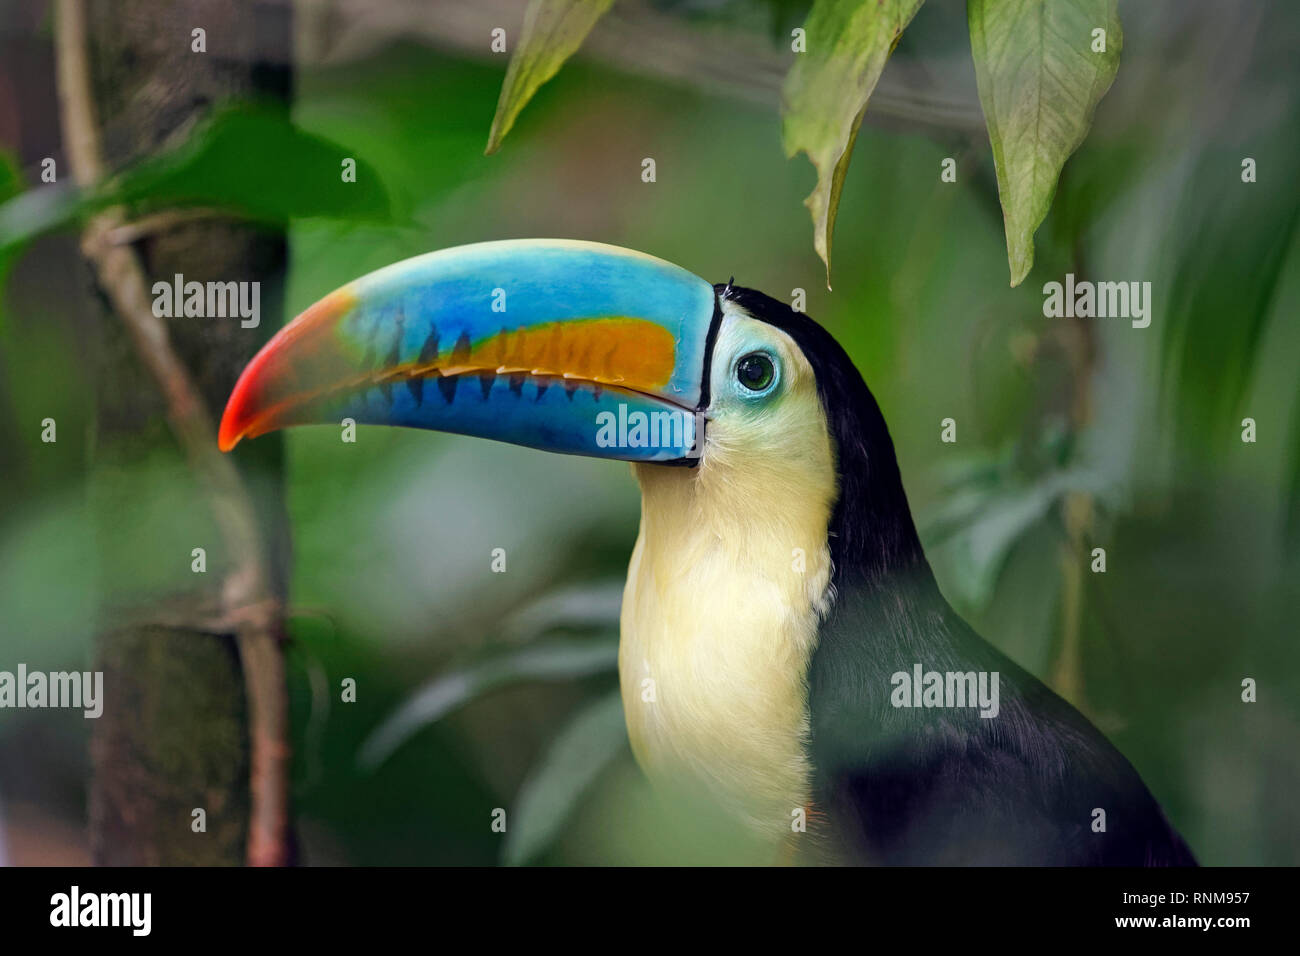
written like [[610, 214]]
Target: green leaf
[[976, 531], [553, 31], [558, 660], [11, 181], [587, 745], [257, 162], [1236, 267], [249, 160], [40, 210], [826, 94], [1039, 83]]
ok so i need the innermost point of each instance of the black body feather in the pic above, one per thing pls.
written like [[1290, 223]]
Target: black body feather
[[937, 785]]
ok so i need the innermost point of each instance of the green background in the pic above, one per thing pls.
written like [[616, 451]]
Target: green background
[[392, 536]]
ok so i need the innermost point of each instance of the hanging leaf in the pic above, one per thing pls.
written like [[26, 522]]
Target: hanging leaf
[[826, 94], [558, 660], [553, 31], [1041, 71], [553, 787]]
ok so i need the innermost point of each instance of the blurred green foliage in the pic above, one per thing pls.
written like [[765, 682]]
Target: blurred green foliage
[[245, 159], [391, 578]]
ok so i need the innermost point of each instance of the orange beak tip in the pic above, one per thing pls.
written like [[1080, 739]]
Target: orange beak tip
[[228, 436], [235, 419]]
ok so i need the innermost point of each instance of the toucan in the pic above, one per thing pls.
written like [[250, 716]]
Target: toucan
[[805, 665]]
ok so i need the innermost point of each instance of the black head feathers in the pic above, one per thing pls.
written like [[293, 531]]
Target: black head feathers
[[871, 529]]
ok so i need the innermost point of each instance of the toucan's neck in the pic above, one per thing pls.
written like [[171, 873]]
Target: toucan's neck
[[726, 590], [765, 517]]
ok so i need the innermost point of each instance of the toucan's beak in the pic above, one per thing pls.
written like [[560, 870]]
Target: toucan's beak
[[573, 347]]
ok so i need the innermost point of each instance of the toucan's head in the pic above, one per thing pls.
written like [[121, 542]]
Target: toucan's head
[[584, 349]]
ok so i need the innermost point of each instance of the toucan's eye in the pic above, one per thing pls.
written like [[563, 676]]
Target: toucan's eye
[[755, 371]]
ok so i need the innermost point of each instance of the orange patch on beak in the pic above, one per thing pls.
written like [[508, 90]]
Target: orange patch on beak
[[618, 350]]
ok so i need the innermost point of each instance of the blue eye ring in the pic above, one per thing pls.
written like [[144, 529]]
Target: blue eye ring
[[756, 374]]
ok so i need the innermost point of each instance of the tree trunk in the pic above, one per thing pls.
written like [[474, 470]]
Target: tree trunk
[[175, 736]]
